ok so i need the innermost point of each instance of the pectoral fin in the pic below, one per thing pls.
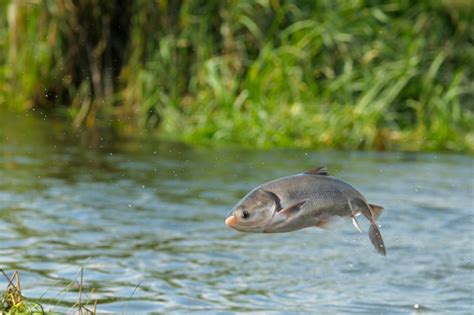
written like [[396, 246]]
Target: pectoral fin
[[293, 209]]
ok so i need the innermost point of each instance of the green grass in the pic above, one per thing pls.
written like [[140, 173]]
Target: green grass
[[314, 74], [13, 302]]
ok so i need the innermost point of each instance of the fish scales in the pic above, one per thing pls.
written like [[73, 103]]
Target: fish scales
[[298, 201]]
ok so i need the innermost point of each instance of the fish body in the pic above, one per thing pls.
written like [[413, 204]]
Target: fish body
[[304, 200]]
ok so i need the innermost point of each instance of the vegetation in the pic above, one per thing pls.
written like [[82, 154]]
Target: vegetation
[[13, 302], [322, 74]]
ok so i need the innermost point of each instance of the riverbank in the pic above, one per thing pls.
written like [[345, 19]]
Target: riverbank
[[350, 76]]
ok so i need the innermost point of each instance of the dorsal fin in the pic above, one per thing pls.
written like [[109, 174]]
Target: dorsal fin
[[318, 171]]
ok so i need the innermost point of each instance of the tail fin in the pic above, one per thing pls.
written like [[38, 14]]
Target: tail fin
[[376, 238], [371, 212]]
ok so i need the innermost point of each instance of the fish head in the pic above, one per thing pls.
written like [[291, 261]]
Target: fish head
[[254, 212]]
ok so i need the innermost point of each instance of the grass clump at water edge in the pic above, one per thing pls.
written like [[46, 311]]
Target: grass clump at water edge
[[13, 302]]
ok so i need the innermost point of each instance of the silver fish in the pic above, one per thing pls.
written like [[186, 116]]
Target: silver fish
[[299, 201]]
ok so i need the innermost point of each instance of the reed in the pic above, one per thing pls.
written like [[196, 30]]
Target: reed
[[314, 74], [13, 301]]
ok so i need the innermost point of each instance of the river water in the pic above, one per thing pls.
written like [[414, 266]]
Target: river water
[[145, 220]]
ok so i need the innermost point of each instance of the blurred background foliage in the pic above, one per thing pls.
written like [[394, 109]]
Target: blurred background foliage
[[362, 74]]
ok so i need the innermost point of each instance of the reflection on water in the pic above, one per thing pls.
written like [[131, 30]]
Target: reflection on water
[[146, 221]]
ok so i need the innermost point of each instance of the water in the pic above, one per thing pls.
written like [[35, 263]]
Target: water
[[146, 221]]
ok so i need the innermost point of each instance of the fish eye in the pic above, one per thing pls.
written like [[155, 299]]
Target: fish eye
[[245, 214]]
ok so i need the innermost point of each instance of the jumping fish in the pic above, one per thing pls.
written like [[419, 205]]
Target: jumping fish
[[299, 201]]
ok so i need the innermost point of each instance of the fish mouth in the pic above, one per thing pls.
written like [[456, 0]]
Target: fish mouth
[[230, 219]]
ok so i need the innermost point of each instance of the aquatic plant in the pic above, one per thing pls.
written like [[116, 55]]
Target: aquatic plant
[[13, 302], [322, 74]]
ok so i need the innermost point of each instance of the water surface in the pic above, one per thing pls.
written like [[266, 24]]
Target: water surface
[[146, 221]]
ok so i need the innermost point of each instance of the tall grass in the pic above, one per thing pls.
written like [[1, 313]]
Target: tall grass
[[320, 74]]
